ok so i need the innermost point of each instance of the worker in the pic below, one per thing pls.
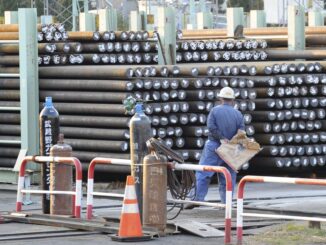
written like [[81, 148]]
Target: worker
[[223, 123]]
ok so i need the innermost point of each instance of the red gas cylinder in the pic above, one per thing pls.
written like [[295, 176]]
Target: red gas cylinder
[[61, 180]]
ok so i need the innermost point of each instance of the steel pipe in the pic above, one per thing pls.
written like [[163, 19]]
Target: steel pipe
[[194, 142], [98, 145], [285, 54], [12, 117], [7, 129], [95, 133], [265, 31], [85, 72], [101, 122], [71, 96], [193, 131]]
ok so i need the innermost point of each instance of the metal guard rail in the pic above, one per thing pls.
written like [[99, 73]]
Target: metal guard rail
[[267, 179], [176, 166], [90, 181], [43, 159], [228, 204]]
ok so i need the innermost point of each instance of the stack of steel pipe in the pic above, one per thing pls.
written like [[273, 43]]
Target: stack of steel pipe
[[58, 47], [8, 118], [93, 118], [273, 35], [283, 103], [119, 47], [51, 38], [48, 32], [275, 38], [220, 50], [9, 88], [234, 50], [91, 113], [290, 117], [180, 98]]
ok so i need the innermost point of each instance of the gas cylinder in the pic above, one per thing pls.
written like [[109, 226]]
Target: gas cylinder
[[140, 132], [61, 179], [154, 189], [49, 133]]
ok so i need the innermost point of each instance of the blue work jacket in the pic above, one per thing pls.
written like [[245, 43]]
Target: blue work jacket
[[223, 122]]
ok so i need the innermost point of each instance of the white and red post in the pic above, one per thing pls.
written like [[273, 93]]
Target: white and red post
[[41, 159], [266, 179], [90, 179]]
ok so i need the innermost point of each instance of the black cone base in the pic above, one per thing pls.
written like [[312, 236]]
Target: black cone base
[[131, 239]]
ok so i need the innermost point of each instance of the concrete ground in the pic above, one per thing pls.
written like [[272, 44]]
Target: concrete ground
[[308, 199]]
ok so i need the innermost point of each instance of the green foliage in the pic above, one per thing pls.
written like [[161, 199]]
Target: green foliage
[[247, 5], [57, 8], [14, 5], [6, 5]]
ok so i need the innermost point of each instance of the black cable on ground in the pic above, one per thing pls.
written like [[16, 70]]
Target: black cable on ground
[[181, 187]]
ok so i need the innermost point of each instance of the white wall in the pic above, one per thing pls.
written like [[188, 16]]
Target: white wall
[[276, 10]]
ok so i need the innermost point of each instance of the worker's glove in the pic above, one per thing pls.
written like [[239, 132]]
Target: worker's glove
[[224, 141]]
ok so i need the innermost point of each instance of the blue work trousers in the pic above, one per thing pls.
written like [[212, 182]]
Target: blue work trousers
[[203, 179]]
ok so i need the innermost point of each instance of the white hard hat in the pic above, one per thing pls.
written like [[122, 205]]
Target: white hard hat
[[226, 93]]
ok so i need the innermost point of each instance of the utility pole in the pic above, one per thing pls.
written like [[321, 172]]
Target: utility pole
[[216, 7], [74, 15], [85, 6], [46, 7]]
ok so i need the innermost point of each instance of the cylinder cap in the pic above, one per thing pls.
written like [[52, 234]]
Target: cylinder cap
[[139, 108], [48, 101]]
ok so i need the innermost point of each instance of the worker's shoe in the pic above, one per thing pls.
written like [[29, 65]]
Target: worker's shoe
[[190, 206]]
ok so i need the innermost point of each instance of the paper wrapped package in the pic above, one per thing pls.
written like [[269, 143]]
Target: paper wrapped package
[[239, 150]]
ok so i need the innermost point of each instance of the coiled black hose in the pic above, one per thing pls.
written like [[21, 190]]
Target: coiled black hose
[[180, 185]]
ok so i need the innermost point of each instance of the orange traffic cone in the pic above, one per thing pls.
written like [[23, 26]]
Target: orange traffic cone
[[130, 225]]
